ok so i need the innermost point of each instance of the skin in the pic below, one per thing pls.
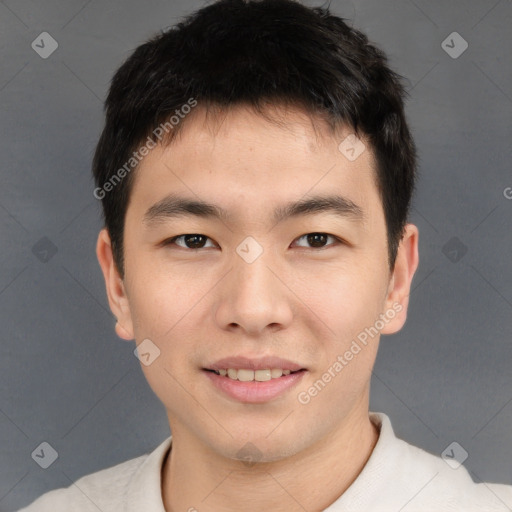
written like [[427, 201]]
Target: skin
[[295, 301]]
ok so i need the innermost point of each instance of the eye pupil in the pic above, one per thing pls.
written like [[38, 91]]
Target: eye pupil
[[317, 238], [189, 237]]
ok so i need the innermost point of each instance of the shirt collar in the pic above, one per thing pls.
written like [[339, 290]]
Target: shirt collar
[[144, 491], [376, 472]]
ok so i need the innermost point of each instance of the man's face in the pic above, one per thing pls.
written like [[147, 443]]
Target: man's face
[[254, 287]]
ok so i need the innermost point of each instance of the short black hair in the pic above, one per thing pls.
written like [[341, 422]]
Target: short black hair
[[256, 53]]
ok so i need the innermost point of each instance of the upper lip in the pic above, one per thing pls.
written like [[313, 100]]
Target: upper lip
[[254, 363]]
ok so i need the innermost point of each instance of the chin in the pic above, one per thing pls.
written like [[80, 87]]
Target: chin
[[259, 448]]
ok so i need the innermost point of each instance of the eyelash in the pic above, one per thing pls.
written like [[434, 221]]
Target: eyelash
[[171, 241]]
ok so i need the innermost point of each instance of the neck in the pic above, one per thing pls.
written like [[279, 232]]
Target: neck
[[197, 479]]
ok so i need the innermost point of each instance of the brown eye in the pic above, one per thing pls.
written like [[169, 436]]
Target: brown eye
[[190, 241], [318, 240]]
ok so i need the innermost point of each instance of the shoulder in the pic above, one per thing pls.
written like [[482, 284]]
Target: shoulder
[[433, 482], [447, 485], [96, 490], [106, 490]]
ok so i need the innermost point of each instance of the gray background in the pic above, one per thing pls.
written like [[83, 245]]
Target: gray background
[[65, 378]]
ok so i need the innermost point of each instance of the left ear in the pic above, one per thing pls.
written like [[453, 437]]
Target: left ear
[[399, 288]]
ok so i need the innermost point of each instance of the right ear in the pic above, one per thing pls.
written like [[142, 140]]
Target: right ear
[[116, 292]]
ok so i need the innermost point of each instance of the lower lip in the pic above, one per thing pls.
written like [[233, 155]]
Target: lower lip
[[255, 392]]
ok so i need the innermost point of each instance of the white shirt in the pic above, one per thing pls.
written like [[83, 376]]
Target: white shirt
[[398, 477]]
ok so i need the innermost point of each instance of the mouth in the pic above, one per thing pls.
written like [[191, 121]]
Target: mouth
[[253, 380]]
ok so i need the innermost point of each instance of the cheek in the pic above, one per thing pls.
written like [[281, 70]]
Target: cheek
[[346, 305], [163, 312], [161, 302], [343, 298]]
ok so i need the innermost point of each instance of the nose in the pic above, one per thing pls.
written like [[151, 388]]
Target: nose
[[254, 297]]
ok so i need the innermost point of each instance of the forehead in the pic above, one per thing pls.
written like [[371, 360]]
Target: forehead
[[247, 162]]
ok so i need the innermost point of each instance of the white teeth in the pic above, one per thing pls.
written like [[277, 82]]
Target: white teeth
[[246, 375], [262, 375]]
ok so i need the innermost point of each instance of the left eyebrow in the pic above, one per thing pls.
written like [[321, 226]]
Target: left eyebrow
[[173, 206], [337, 205]]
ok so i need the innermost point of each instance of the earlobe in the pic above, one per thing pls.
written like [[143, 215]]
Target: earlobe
[[116, 294], [397, 300], [122, 332]]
